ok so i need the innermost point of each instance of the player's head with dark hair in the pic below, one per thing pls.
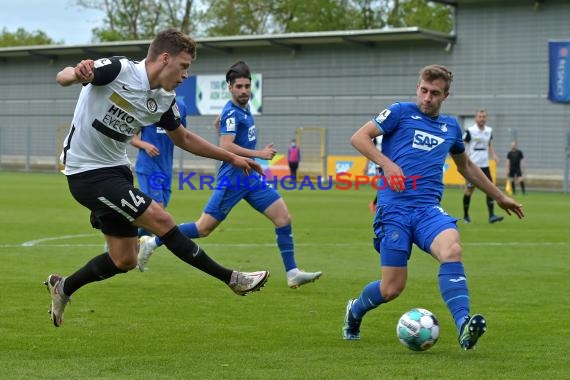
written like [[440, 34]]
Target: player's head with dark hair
[[238, 77], [173, 42], [434, 72], [239, 69]]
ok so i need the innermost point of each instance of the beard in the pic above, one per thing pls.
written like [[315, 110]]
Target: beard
[[242, 101]]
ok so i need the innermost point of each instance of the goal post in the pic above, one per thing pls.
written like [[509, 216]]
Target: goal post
[[312, 142]]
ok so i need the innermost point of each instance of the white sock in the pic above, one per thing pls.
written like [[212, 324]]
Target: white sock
[[292, 273]]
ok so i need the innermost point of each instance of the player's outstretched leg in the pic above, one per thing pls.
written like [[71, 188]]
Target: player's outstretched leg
[[295, 277], [147, 246], [351, 325], [59, 300], [243, 283], [301, 277], [471, 331], [369, 299]]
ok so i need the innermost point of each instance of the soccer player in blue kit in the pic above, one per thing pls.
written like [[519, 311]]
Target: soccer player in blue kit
[[154, 161], [416, 141], [238, 135]]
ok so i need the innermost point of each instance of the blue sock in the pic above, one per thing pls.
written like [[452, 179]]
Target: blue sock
[[454, 291], [370, 298], [286, 247], [188, 229], [143, 232]]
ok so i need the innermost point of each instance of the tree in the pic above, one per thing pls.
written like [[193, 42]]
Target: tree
[[425, 15], [139, 19], [312, 16], [22, 37], [238, 17]]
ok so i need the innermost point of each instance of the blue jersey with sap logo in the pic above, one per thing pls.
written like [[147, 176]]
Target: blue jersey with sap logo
[[158, 137], [419, 145], [240, 123]]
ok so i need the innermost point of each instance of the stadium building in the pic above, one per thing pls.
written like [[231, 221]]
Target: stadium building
[[330, 83]]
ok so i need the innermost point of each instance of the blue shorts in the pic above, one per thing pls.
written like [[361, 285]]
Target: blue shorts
[[398, 227], [158, 187], [258, 193]]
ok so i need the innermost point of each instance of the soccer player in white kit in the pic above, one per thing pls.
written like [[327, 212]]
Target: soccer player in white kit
[[479, 146], [119, 97]]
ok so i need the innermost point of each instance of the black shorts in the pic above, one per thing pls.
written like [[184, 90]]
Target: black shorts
[[112, 198], [487, 172], [515, 172]]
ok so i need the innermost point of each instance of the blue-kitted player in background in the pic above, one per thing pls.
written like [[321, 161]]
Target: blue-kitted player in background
[[155, 161], [416, 141], [238, 135]]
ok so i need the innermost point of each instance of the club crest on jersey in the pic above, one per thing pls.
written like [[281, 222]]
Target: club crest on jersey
[[151, 105], [425, 141]]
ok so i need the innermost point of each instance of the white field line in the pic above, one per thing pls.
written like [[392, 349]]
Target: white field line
[[32, 243], [42, 243]]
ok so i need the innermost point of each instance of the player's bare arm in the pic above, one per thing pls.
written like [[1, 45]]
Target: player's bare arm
[[197, 145], [217, 123], [227, 142], [81, 73], [361, 140], [149, 148], [475, 175]]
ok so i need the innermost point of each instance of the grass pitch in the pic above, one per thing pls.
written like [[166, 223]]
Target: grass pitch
[[174, 322]]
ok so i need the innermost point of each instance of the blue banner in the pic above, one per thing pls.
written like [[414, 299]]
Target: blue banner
[[559, 64], [186, 91]]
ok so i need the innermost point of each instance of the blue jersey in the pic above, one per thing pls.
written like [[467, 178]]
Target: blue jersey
[[158, 137], [233, 184], [238, 122], [419, 145]]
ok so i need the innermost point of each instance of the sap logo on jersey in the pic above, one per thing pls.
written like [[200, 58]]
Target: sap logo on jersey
[[425, 141], [251, 133]]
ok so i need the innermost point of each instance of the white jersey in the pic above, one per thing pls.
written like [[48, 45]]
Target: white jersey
[[372, 169], [478, 142], [110, 110]]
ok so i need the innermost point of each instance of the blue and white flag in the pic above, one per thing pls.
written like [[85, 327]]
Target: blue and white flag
[[559, 63]]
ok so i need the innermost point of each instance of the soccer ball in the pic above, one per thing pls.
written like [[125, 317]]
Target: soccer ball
[[418, 329]]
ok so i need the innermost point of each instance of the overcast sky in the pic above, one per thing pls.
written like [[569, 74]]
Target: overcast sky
[[59, 19]]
